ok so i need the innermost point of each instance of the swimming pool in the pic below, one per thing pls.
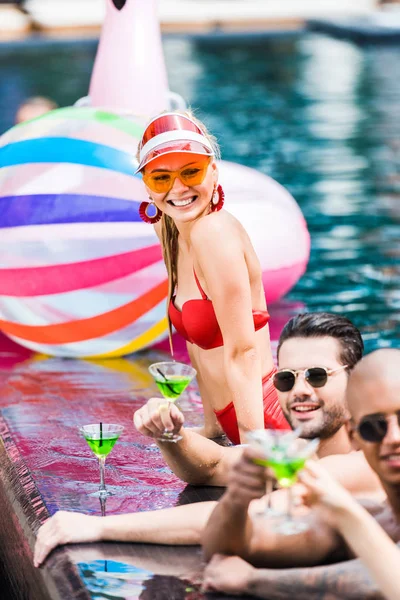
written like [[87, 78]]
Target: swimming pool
[[320, 115]]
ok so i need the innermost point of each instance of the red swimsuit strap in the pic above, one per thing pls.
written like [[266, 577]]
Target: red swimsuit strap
[[202, 292]]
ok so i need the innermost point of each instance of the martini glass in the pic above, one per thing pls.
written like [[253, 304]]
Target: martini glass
[[286, 463], [101, 438], [171, 378], [270, 441]]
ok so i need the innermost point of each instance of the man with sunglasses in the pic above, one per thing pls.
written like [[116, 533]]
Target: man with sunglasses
[[316, 353], [373, 396], [327, 341]]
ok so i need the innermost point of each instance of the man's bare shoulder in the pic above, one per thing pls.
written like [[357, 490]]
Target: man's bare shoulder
[[354, 473], [354, 459]]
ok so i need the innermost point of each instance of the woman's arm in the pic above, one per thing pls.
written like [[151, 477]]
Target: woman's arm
[[220, 256], [211, 428]]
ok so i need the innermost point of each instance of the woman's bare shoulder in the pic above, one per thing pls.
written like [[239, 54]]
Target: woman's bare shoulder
[[221, 224]]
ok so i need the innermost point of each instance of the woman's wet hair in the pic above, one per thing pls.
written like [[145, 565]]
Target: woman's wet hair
[[324, 324]]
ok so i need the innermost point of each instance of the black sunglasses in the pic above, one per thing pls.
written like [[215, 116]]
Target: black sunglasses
[[373, 428], [317, 377]]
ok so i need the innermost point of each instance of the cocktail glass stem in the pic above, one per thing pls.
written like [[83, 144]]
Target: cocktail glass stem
[[171, 378], [289, 508], [103, 502], [269, 488], [269, 510], [102, 465]]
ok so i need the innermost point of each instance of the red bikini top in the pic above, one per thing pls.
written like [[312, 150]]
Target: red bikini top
[[198, 324]]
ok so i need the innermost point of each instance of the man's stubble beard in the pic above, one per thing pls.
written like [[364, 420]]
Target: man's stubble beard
[[332, 420]]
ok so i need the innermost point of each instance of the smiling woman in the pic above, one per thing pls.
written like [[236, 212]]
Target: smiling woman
[[216, 298]]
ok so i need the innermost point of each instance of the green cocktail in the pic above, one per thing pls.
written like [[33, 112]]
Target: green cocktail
[[262, 462], [101, 447], [101, 439], [173, 386], [272, 443], [286, 469], [172, 379], [286, 455]]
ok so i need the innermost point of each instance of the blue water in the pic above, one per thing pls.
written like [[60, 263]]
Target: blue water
[[320, 115]]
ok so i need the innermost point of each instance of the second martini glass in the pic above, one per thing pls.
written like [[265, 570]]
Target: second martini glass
[[171, 378], [101, 438], [270, 441]]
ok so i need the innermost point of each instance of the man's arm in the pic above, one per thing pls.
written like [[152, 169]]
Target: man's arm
[[358, 477], [230, 529], [179, 525], [194, 459], [342, 581]]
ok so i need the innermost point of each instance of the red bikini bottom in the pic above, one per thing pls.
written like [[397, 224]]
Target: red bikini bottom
[[273, 415]]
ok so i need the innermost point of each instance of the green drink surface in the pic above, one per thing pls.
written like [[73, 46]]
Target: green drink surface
[[173, 386], [286, 469], [262, 462], [102, 447]]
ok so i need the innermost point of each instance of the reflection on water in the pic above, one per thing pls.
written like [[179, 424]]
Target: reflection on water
[[108, 579], [320, 115], [111, 579]]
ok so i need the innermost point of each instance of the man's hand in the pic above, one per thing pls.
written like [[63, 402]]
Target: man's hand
[[229, 574], [247, 479], [65, 528], [157, 416]]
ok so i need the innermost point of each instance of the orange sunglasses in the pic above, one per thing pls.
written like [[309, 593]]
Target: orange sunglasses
[[161, 181]]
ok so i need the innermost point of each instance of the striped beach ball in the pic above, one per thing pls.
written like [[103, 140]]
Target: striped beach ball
[[80, 274]]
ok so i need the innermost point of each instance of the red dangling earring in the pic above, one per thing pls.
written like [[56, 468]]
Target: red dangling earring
[[143, 208], [218, 199]]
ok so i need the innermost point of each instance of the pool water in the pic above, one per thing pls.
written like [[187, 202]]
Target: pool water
[[320, 115]]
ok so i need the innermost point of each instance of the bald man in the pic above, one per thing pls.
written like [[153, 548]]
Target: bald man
[[373, 396]]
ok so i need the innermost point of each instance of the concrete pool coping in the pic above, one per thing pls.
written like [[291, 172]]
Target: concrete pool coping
[[45, 465], [179, 15], [377, 28]]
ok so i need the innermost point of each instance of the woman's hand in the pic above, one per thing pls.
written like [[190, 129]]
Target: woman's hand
[[325, 493], [156, 416], [65, 528]]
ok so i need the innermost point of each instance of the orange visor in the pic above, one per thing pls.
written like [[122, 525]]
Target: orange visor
[[172, 132]]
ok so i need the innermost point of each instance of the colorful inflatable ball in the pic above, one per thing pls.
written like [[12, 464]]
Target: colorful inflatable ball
[[81, 274]]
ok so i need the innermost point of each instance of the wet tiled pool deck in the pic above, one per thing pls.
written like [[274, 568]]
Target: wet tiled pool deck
[[45, 466]]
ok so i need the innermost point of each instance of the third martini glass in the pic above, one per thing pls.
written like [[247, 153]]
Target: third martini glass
[[101, 438], [172, 378]]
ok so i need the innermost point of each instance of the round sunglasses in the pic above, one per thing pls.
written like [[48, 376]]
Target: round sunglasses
[[373, 428], [317, 377], [162, 181]]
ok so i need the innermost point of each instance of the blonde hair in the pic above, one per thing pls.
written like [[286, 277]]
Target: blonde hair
[[169, 231]]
